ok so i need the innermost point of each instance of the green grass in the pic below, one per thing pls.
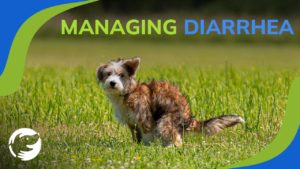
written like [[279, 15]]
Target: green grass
[[60, 99]]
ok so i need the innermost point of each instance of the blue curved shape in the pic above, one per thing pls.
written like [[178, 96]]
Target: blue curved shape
[[289, 158], [13, 14]]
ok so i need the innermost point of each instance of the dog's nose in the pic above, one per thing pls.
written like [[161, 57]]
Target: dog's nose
[[112, 83]]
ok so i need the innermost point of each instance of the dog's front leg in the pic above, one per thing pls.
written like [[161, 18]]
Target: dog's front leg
[[136, 133]]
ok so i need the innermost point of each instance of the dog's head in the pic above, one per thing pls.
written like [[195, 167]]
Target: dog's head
[[117, 77]]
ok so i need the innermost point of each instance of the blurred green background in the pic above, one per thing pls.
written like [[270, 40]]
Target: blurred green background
[[196, 51]]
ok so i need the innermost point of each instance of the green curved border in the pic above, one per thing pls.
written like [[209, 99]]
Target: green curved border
[[11, 78], [286, 133]]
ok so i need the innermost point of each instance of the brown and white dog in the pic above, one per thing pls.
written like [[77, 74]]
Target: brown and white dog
[[153, 110]]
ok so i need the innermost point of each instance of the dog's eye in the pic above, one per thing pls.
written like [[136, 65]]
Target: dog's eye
[[121, 75], [108, 73]]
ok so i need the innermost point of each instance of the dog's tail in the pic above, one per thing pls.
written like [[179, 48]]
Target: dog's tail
[[214, 125]]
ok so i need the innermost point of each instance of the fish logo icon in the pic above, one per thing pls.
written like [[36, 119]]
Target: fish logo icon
[[32, 149]]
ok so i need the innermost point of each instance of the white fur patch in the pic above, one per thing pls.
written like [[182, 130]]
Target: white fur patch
[[123, 114], [114, 78]]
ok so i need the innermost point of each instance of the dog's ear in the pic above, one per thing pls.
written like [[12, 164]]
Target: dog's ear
[[131, 65], [99, 72]]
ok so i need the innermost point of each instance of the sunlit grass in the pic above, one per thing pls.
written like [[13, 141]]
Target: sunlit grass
[[75, 120]]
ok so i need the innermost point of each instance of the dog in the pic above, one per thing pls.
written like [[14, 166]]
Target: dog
[[153, 110]]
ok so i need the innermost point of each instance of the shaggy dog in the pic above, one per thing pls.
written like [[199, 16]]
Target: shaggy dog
[[153, 110]]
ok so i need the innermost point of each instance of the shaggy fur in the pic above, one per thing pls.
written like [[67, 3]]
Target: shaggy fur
[[153, 110]]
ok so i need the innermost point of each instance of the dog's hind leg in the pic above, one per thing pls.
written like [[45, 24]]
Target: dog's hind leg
[[169, 130]]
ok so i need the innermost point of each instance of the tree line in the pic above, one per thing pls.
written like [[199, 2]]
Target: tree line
[[234, 7]]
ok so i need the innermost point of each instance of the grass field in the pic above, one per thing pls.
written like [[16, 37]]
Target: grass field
[[60, 99]]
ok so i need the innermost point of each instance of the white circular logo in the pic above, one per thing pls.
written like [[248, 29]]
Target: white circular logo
[[34, 149]]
